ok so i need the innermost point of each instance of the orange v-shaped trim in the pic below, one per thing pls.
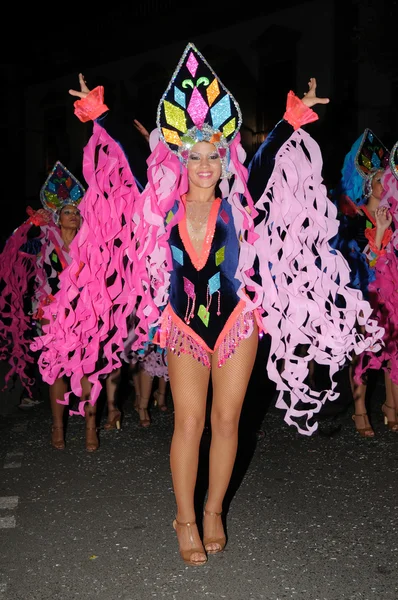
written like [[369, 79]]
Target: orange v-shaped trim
[[368, 215], [199, 261]]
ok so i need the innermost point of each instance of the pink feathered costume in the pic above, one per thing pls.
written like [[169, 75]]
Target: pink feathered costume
[[384, 289], [121, 263]]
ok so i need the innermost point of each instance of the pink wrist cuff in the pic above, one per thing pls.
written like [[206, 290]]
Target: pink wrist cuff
[[92, 106], [297, 113]]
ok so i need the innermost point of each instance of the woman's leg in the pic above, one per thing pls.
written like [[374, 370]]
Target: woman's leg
[[160, 394], [92, 442], [114, 414], [360, 416], [390, 406], [189, 381], [145, 392], [57, 391], [229, 388]]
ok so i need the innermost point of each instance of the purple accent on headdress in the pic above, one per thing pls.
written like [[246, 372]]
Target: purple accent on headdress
[[224, 216], [222, 152], [192, 64], [197, 108], [189, 288], [178, 254], [180, 97], [220, 112], [214, 283]]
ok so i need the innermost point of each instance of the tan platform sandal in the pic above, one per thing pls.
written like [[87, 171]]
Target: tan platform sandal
[[367, 431], [114, 420], [91, 444], [160, 401], [186, 555], [207, 541], [57, 437]]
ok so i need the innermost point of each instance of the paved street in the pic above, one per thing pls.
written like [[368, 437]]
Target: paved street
[[309, 518]]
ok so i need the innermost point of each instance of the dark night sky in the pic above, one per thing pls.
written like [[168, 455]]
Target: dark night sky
[[52, 42]]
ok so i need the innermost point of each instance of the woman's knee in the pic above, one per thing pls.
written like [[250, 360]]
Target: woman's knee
[[224, 424], [189, 426]]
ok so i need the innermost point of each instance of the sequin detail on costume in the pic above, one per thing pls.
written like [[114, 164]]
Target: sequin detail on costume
[[189, 289], [196, 97], [192, 64], [179, 342], [178, 254], [60, 189], [197, 108], [204, 315], [220, 256], [220, 112]]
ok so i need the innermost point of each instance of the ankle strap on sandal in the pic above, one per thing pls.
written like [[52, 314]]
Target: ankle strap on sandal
[[187, 524], [212, 514]]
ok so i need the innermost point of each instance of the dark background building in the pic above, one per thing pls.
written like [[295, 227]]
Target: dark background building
[[258, 52]]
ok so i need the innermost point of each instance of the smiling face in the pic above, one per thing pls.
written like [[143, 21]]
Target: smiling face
[[69, 217], [204, 166]]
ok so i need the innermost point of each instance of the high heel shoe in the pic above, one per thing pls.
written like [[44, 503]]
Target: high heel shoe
[[115, 421], [57, 437], [367, 431], [144, 417], [91, 444], [162, 406], [392, 425], [187, 555], [220, 541]]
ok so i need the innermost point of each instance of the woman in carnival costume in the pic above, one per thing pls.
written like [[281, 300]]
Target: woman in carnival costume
[[60, 195], [384, 290], [18, 284], [364, 234], [210, 252]]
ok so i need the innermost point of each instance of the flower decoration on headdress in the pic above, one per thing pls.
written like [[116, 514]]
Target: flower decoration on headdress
[[393, 160], [197, 107], [60, 189], [367, 156]]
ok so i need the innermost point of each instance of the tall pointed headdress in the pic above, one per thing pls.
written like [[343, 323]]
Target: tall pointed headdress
[[197, 107], [367, 156], [372, 155], [60, 189]]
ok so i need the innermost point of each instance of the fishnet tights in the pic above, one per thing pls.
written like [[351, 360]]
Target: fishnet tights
[[189, 381]]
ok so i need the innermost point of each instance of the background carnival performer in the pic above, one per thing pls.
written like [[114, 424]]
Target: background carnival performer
[[364, 234], [383, 290], [18, 284], [61, 194], [193, 255]]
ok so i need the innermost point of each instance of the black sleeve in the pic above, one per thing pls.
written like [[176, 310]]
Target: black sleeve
[[262, 163], [136, 149], [33, 243]]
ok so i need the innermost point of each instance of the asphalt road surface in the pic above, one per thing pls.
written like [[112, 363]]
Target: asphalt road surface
[[308, 518]]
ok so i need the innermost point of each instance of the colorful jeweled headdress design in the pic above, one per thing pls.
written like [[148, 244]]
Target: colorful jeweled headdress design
[[372, 155], [60, 189], [197, 107], [393, 161]]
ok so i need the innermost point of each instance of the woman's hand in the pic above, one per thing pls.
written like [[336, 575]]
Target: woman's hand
[[84, 91], [310, 98], [141, 129], [383, 218]]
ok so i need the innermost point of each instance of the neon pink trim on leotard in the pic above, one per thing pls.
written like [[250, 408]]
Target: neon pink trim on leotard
[[200, 260]]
